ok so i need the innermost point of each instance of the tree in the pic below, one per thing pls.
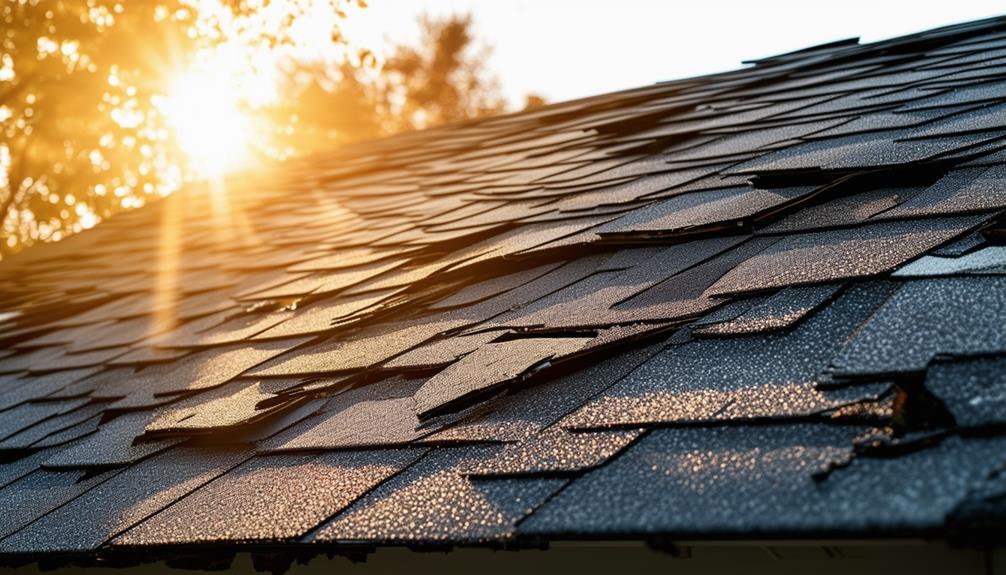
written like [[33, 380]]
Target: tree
[[74, 146], [532, 101], [443, 80], [83, 86]]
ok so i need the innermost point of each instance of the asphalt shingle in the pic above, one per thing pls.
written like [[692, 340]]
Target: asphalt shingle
[[756, 304]]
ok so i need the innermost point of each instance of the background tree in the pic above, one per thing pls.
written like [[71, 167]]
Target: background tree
[[83, 86], [73, 142], [445, 78], [442, 80]]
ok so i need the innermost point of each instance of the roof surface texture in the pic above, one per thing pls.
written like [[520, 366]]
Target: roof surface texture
[[761, 304]]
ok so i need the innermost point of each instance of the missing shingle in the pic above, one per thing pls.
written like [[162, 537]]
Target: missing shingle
[[916, 409]]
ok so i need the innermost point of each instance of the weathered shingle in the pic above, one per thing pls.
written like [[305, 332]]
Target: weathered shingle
[[757, 304]]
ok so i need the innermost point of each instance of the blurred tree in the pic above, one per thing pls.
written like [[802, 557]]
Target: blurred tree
[[444, 79], [534, 101], [85, 84], [73, 144]]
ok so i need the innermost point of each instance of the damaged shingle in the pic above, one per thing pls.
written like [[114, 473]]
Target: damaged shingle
[[356, 352], [378, 414], [680, 213], [521, 415], [491, 366], [780, 311]]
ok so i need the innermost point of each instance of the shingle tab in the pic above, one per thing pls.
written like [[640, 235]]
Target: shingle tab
[[112, 445], [697, 209], [971, 389], [38, 493], [521, 415], [379, 414], [841, 254], [124, 500], [960, 191], [780, 311], [706, 380], [911, 328], [758, 481], [359, 352], [989, 260], [489, 367], [269, 498], [554, 451], [433, 501]]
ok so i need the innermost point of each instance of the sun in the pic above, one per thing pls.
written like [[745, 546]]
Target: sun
[[205, 113], [218, 101]]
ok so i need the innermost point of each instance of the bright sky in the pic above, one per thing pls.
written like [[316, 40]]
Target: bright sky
[[567, 49]]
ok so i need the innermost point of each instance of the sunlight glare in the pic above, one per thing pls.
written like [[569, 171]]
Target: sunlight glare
[[214, 107], [209, 126]]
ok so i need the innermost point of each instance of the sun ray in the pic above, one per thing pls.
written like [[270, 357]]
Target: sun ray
[[168, 261]]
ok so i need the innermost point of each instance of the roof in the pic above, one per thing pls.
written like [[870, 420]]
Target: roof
[[754, 305]]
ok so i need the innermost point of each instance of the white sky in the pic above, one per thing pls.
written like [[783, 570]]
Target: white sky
[[566, 49]]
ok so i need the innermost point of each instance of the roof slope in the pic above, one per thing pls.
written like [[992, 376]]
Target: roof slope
[[766, 303]]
